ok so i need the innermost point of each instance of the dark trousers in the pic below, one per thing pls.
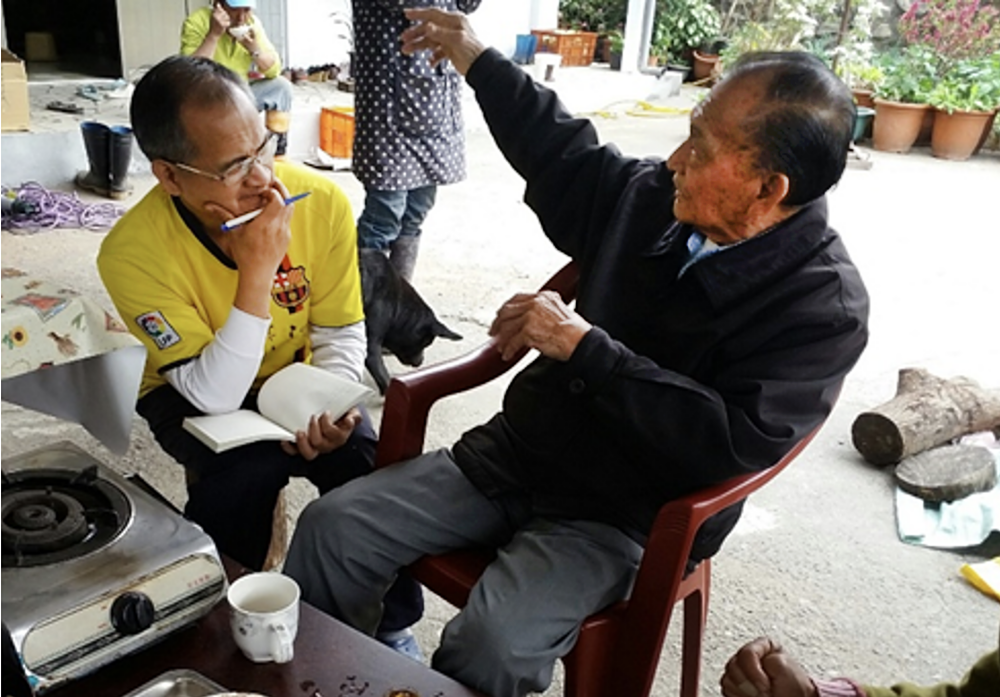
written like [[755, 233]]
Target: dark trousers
[[232, 494]]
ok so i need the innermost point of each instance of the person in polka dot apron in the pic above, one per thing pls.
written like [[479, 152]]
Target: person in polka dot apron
[[409, 135]]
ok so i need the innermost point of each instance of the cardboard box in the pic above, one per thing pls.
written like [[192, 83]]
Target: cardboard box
[[14, 81], [39, 46]]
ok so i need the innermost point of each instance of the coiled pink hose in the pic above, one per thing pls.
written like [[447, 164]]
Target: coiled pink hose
[[57, 209]]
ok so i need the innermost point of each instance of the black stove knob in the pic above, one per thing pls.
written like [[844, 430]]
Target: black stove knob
[[132, 612]]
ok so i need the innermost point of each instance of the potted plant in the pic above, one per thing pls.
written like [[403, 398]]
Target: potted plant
[[951, 31], [863, 79], [901, 98], [681, 30], [966, 100], [705, 65]]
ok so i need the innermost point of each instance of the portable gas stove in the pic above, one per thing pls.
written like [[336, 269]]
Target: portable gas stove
[[94, 566]]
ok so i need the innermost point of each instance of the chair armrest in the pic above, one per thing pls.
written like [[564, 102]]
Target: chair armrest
[[677, 523], [668, 548], [409, 397]]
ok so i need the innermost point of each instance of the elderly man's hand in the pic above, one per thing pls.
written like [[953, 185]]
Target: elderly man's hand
[[761, 668], [539, 321], [447, 35], [323, 435]]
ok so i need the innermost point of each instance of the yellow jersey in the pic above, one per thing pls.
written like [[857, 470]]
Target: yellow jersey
[[174, 288]]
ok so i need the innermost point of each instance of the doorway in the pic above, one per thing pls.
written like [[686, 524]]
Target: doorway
[[59, 39]]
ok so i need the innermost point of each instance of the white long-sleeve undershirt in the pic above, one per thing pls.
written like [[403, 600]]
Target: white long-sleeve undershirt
[[219, 379]]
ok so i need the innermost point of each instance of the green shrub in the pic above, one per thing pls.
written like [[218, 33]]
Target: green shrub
[[970, 85], [908, 75], [592, 15]]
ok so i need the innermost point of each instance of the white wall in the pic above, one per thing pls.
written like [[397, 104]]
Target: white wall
[[315, 38]]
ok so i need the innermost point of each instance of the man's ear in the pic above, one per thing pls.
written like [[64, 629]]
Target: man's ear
[[167, 176], [773, 190]]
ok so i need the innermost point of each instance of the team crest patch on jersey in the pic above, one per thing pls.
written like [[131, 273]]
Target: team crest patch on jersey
[[158, 329], [291, 287]]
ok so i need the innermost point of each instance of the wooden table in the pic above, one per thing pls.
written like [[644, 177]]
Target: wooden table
[[331, 660]]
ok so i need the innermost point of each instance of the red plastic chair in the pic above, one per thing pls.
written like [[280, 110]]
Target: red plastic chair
[[619, 648]]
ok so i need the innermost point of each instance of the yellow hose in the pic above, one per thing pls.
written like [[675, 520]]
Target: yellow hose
[[637, 108]]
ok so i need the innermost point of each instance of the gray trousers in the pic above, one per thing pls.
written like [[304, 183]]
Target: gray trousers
[[523, 614], [272, 94]]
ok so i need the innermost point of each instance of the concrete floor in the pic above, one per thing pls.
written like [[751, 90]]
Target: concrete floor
[[816, 561]]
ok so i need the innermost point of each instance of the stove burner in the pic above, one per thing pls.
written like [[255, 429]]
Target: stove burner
[[51, 515], [43, 521]]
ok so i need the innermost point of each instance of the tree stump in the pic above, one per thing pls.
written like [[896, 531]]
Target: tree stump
[[927, 411], [948, 472]]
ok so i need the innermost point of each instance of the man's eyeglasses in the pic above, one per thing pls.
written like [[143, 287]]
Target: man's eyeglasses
[[240, 170]]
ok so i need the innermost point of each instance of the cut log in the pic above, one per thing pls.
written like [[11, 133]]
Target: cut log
[[947, 473], [927, 411]]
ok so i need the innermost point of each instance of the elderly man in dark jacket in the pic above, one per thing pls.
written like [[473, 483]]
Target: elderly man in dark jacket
[[716, 318]]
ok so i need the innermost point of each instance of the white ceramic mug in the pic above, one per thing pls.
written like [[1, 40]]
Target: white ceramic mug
[[264, 615]]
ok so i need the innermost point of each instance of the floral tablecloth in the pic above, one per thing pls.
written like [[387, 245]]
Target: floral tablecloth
[[63, 354]]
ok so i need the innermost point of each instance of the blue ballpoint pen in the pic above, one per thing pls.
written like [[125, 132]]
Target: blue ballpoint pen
[[247, 217]]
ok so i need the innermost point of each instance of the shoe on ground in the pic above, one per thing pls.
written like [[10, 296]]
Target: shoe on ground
[[402, 642]]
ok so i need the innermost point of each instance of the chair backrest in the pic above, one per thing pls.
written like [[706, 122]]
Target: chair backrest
[[656, 589]]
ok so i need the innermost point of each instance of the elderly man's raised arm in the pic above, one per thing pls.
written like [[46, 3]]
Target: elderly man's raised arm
[[573, 183]]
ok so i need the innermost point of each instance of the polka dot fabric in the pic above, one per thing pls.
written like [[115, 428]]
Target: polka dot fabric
[[408, 119]]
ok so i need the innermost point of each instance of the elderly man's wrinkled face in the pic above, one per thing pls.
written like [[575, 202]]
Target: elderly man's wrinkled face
[[718, 185]]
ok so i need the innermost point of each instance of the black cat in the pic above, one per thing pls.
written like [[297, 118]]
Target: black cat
[[396, 317]]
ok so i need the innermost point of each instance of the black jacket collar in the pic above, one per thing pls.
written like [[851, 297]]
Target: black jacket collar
[[737, 271]]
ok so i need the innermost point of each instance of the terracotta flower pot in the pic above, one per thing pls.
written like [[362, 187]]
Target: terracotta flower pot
[[897, 125], [704, 64], [956, 135], [865, 98]]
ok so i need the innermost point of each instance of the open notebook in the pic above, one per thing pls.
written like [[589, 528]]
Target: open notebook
[[286, 401]]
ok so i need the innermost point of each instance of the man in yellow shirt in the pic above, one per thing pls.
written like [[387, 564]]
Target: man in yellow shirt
[[219, 311], [229, 33]]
